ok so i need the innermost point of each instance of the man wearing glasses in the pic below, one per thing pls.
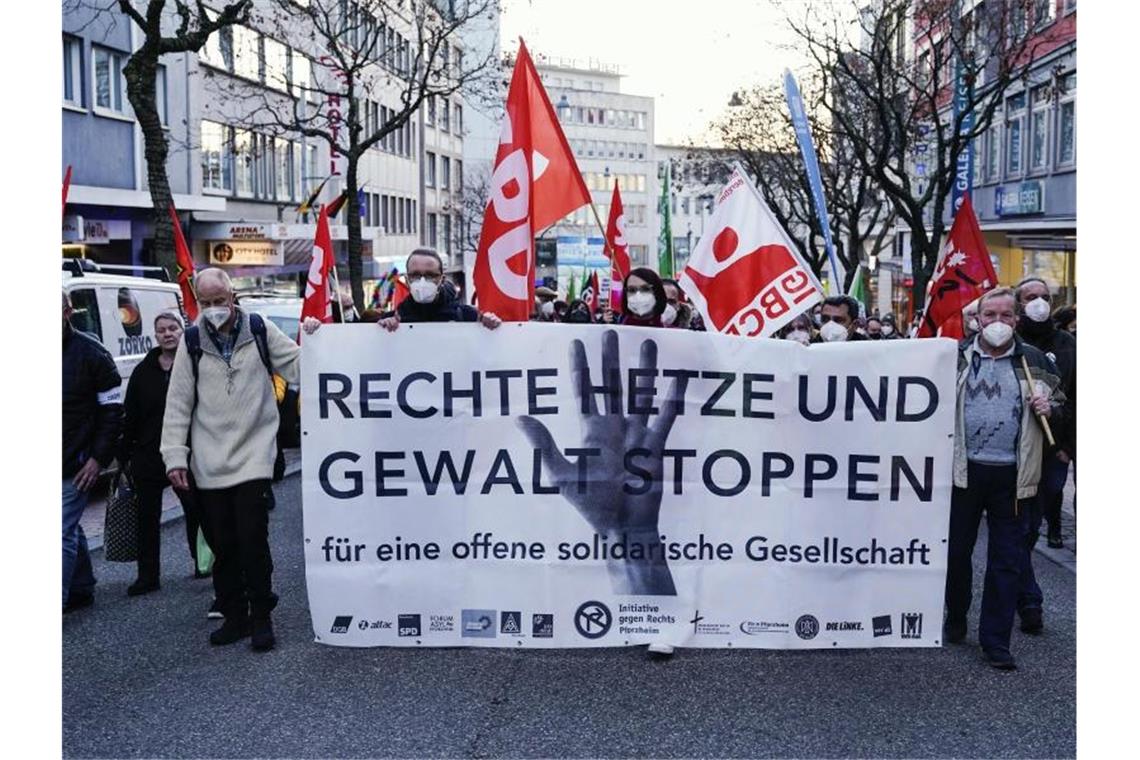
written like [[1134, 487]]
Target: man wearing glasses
[[434, 299]]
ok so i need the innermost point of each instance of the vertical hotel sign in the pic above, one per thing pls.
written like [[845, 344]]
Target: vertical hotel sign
[[964, 168]]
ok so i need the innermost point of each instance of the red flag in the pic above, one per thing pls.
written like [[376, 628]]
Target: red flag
[[745, 277], [615, 235], [337, 203], [399, 292], [66, 187], [594, 292], [318, 302], [535, 183], [963, 274], [185, 263]]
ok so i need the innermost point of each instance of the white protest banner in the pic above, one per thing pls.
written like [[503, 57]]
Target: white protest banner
[[568, 486]]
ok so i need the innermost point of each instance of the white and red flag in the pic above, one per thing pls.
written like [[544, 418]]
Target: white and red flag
[[535, 183], [318, 302], [615, 234], [745, 276], [964, 273]]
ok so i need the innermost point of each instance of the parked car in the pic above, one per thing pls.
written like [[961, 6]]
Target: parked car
[[119, 309], [285, 312]]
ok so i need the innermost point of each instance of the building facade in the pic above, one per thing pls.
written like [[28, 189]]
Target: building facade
[[238, 186], [697, 175], [611, 135]]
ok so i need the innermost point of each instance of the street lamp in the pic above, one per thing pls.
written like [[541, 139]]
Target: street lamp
[[563, 108], [735, 101]]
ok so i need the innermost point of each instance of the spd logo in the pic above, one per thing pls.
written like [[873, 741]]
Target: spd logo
[[408, 625]]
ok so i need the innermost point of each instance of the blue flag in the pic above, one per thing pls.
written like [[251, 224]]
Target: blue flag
[[811, 164]]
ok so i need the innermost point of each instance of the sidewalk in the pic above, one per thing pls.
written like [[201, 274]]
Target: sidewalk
[[96, 512]]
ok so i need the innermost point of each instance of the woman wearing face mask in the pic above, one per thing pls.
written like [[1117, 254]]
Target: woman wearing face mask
[[643, 299], [798, 330], [143, 407]]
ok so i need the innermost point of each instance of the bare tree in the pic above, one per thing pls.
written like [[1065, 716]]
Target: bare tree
[[472, 204], [167, 27], [402, 52], [888, 90], [759, 130]]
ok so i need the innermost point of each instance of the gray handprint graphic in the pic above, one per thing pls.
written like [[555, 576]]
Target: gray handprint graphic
[[616, 443]]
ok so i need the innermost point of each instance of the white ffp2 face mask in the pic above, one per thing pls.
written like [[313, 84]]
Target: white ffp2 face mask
[[216, 315], [833, 332], [423, 291], [1037, 309], [997, 334], [799, 336], [642, 304], [548, 309]]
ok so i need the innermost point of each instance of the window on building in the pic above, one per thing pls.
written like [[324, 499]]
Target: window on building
[[313, 172], [1039, 130], [300, 76], [72, 70], [160, 93], [431, 111], [107, 68], [247, 53], [1044, 12], [1015, 116], [429, 161], [641, 120], [993, 153], [446, 233], [458, 119], [411, 211], [444, 115], [685, 205], [215, 156], [1067, 121], [458, 176], [641, 183], [219, 48], [243, 162], [400, 141], [445, 173], [283, 168], [276, 73], [432, 233], [385, 222]]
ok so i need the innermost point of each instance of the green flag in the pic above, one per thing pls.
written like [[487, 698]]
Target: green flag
[[858, 291], [572, 293], [665, 239]]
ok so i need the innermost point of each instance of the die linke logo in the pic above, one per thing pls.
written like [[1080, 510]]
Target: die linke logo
[[911, 625], [881, 625], [408, 625], [341, 624]]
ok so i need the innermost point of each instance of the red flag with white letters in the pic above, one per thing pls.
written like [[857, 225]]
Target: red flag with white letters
[[745, 276], [615, 234], [318, 302], [535, 183], [964, 273]]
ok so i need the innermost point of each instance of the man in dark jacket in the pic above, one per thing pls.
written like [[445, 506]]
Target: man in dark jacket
[[837, 320], [92, 416], [1035, 327], [433, 298]]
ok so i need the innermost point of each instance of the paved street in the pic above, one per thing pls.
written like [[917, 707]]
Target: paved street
[[140, 680]]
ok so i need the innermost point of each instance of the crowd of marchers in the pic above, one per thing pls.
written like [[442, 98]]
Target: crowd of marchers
[[200, 415]]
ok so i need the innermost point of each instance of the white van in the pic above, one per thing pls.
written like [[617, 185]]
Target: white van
[[119, 309]]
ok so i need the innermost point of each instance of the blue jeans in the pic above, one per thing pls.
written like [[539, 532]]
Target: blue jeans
[[78, 578]]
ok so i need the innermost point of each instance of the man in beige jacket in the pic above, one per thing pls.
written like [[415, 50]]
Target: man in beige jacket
[[221, 423]]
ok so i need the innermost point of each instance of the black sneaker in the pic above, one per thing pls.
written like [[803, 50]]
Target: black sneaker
[[140, 587], [231, 632], [215, 612], [1055, 541], [78, 602], [1000, 660], [1031, 621], [262, 639], [954, 631]]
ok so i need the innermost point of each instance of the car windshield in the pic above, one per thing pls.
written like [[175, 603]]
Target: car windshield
[[287, 325]]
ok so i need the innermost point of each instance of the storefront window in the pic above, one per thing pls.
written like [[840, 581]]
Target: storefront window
[[1056, 268]]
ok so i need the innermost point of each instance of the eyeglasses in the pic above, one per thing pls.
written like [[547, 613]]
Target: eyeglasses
[[429, 276], [825, 318]]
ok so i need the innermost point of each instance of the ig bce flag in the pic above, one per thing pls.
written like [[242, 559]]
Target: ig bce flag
[[745, 276]]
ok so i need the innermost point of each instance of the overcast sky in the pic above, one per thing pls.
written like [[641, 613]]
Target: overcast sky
[[688, 56]]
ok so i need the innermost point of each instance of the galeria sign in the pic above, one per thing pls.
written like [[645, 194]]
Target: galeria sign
[[567, 486]]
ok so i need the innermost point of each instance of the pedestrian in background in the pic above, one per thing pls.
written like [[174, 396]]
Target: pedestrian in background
[[92, 420], [144, 407], [998, 444], [799, 329]]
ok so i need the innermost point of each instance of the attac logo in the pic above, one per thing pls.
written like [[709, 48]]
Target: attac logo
[[542, 626], [911, 625], [477, 624], [341, 624], [807, 627], [511, 623], [881, 625], [408, 625], [593, 620], [844, 625]]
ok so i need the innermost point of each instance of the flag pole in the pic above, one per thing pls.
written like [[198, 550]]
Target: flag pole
[[606, 309], [1040, 417]]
